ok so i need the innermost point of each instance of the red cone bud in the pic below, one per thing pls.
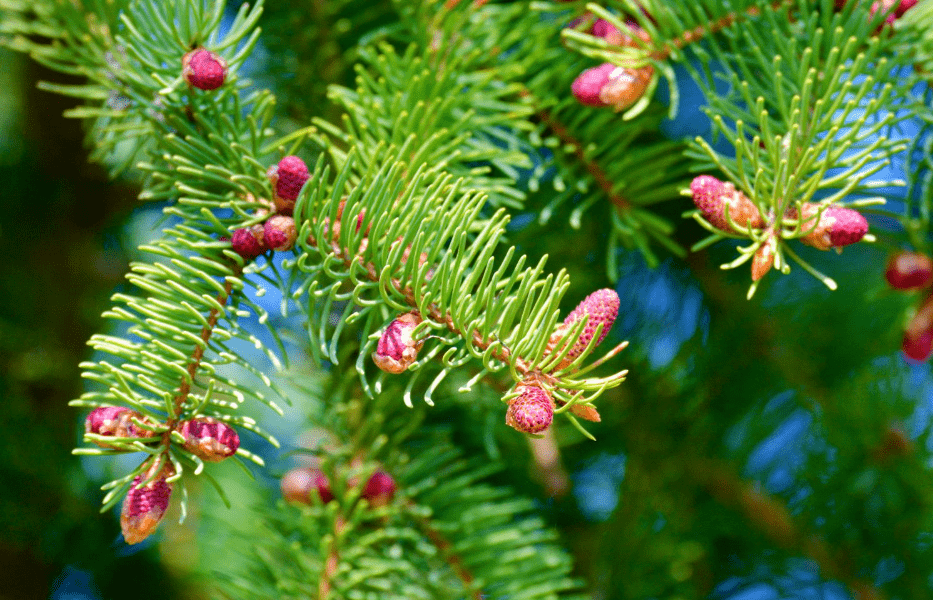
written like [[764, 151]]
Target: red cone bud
[[532, 411], [209, 439], [203, 69], [764, 258], [396, 350], [288, 177], [711, 196], [600, 307], [116, 421], [279, 233], [837, 226], [918, 337], [609, 85], [909, 271], [380, 489], [298, 485], [145, 506], [248, 242]]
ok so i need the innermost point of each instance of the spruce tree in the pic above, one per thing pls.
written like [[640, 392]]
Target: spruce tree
[[402, 244]]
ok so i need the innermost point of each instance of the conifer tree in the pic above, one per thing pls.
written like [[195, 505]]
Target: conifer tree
[[402, 243]]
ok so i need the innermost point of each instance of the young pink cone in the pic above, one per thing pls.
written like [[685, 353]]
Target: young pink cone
[[396, 350], [145, 505], [298, 485], [203, 69], [209, 439], [909, 271], [837, 227], [600, 307], [288, 177], [918, 337], [279, 233], [712, 196], [532, 411], [380, 489], [248, 242], [764, 258], [116, 421], [609, 85]]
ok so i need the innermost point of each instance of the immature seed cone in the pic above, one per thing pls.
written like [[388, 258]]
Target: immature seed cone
[[396, 350], [288, 177], [279, 233], [298, 485], [909, 271], [900, 7], [532, 411], [203, 69], [209, 439], [602, 28], [145, 505], [712, 196], [600, 307], [116, 421], [836, 228], [918, 337], [764, 258], [380, 489], [609, 85], [248, 242]]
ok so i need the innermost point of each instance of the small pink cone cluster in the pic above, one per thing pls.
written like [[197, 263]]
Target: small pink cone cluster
[[396, 350], [209, 439], [116, 421], [712, 196], [279, 232], [144, 506], [203, 69], [599, 308], [532, 411], [612, 86], [909, 271], [299, 484]]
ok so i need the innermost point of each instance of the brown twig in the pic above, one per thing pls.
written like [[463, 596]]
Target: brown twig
[[331, 562], [450, 557]]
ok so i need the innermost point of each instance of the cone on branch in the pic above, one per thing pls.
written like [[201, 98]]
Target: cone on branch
[[249, 242], [599, 308], [300, 483], [837, 226], [380, 489], [209, 439], [279, 233], [909, 271], [918, 337], [764, 258], [115, 421], [145, 505], [612, 86], [713, 196], [532, 411], [288, 178], [203, 69], [396, 350]]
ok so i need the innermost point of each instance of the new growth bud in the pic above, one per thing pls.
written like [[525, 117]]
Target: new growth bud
[[279, 233], [203, 69], [298, 485], [918, 337], [532, 411], [909, 271], [599, 308], [248, 242], [712, 196], [116, 421], [209, 439], [380, 489], [287, 178], [145, 505], [396, 350], [764, 258], [609, 85], [837, 226]]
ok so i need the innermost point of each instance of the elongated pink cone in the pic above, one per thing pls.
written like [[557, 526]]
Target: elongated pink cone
[[909, 271], [711, 196], [837, 227], [380, 488], [144, 506], [209, 439], [116, 421], [203, 69], [532, 411], [600, 307], [298, 485], [764, 258], [396, 350]]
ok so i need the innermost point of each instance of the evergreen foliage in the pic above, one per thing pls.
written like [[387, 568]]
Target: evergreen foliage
[[459, 117]]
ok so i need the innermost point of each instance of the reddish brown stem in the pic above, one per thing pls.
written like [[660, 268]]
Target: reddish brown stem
[[451, 558]]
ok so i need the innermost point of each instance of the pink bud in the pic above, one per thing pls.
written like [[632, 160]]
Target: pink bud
[[609, 85], [144, 506], [248, 242], [116, 421], [279, 233], [380, 489], [600, 307], [209, 439], [837, 226], [396, 350], [298, 485], [291, 175], [909, 271], [764, 258], [918, 337], [532, 411], [203, 69], [712, 196]]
